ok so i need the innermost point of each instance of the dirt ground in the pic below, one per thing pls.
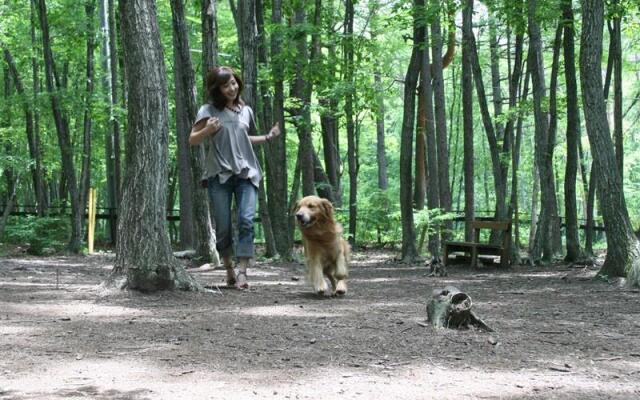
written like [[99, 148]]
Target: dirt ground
[[558, 335]]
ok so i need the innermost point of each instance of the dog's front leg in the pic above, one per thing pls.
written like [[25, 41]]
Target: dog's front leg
[[340, 288], [316, 277]]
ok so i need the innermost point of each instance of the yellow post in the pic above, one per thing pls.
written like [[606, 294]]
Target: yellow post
[[92, 218]]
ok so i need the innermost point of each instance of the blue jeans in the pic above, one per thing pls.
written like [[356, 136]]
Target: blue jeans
[[220, 195]]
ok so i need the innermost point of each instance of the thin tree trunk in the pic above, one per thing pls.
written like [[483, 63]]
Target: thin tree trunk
[[301, 111], [409, 251], [35, 146], [426, 91], [204, 239], [383, 180], [467, 121], [277, 188], [543, 249], [109, 81], [352, 151], [574, 252], [440, 110], [85, 175], [62, 130]]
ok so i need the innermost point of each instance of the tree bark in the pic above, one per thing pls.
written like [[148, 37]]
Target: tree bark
[[623, 248], [426, 91], [85, 174], [277, 160], [409, 251], [144, 260], [184, 114], [383, 180], [437, 67], [352, 150], [62, 130], [543, 249], [574, 253], [204, 239], [301, 112], [35, 146], [112, 134], [467, 121]]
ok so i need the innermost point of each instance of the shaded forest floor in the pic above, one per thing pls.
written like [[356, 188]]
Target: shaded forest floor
[[559, 334]]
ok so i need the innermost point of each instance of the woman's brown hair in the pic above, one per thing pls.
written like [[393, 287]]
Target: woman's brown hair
[[218, 76]]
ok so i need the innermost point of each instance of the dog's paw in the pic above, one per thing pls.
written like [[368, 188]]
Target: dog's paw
[[341, 288]]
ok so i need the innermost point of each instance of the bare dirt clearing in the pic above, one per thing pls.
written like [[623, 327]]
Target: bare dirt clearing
[[559, 334]]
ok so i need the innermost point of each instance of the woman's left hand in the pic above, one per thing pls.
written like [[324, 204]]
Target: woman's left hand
[[274, 132]]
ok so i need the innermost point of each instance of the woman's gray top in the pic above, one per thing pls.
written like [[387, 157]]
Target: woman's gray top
[[229, 152]]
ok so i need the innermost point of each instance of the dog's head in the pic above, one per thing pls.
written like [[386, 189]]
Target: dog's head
[[311, 210]]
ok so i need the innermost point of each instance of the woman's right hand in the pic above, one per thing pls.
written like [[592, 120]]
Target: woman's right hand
[[213, 125]]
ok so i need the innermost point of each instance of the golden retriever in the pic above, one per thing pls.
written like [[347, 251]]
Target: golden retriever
[[326, 252]]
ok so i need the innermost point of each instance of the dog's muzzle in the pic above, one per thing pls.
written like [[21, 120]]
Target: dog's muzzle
[[303, 219]]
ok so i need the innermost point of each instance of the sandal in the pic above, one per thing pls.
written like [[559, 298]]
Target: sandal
[[241, 283], [231, 276]]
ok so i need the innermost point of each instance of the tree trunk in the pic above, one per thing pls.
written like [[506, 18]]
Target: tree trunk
[[616, 38], [209, 23], [62, 130], [426, 91], [543, 249], [574, 253], [301, 112], [184, 114], [383, 180], [352, 151], [467, 121], [85, 174], [623, 249], [144, 260], [112, 134], [35, 146], [500, 131], [420, 167], [265, 121], [277, 160], [409, 251], [437, 67], [204, 239]]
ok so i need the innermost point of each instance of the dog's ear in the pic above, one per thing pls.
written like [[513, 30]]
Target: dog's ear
[[296, 207], [327, 207]]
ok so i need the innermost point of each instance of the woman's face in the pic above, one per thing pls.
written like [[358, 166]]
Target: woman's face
[[230, 90]]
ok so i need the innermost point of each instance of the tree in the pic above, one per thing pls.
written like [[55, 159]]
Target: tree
[[467, 112], [109, 59], [144, 260], [548, 225], [409, 251], [573, 136], [623, 248], [197, 207], [352, 142], [277, 176], [62, 130]]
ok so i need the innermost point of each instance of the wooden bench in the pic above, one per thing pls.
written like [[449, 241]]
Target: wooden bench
[[476, 248]]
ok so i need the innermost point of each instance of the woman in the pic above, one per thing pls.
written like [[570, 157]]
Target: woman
[[227, 127]]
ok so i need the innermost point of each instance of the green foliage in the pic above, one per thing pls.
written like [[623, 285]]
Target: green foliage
[[432, 220], [41, 234], [379, 217]]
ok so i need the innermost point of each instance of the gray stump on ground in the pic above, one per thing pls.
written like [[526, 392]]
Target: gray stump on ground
[[451, 308]]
